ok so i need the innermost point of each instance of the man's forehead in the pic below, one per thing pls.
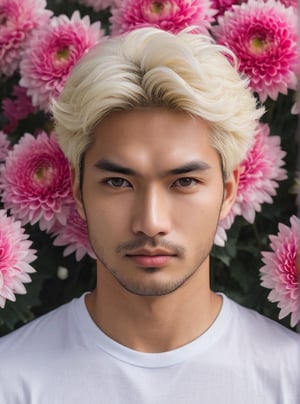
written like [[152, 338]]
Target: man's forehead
[[152, 115], [154, 138]]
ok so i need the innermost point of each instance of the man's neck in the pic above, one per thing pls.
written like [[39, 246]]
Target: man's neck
[[154, 323]]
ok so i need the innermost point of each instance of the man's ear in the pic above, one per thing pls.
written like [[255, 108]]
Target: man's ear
[[77, 193], [230, 192]]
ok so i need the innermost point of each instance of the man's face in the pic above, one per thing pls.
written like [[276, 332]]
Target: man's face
[[152, 196]]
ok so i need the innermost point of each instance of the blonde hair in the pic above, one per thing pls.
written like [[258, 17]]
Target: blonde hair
[[149, 67]]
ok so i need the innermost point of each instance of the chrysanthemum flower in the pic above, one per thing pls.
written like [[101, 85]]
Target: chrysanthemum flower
[[221, 236], [98, 5], [18, 19], [279, 272], [51, 54], [296, 108], [4, 146], [16, 109], [15, 257], [263, 35], [222, 5], [35, 181], [288, 3], [74, 235], [169, 15], [260, 173]]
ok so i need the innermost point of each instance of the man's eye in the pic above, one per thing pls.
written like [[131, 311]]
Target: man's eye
[[117, 182], [185, 182]]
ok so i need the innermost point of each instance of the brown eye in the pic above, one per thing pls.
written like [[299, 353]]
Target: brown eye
[[185, 182], [117, 182]]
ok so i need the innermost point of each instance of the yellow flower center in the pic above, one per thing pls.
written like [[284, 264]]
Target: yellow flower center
[[157, 7], [157, 10], [259, 45], [63, 53], [44, 175]]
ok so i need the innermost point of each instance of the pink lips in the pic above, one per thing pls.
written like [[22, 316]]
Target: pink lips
[[155, 258]]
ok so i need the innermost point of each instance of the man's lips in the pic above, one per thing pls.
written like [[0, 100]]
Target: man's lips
[[154, 258]]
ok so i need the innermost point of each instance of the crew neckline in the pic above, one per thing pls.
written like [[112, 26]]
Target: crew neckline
[[95, 336]]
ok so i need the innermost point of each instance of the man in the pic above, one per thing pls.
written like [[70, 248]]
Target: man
[[155, 126]]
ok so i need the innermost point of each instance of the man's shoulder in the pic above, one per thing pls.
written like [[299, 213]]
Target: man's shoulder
[[44, 331], [261, 331], [31, 354]]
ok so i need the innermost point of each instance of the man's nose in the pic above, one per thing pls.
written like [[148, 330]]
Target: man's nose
[[151, 214]]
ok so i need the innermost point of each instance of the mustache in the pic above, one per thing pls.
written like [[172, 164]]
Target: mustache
[[154, 242]]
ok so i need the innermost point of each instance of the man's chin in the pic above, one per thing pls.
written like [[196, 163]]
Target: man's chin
[[152, 290]]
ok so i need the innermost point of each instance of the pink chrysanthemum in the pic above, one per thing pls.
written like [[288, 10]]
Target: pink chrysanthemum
[[15, 257], [98, 5], [263, 35], [279, 272], [74, 234], [18, 19], [18, 108], [223, 5], [4, 146], [169, 15], [290, 3], [260, 173], [51, 54], [296, 108], [35, 181], [221, 236]]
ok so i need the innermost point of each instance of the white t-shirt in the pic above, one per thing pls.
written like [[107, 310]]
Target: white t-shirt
[[64, 358]]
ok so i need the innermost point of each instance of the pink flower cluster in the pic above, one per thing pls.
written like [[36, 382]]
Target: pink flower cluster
[[264, 37], [52, 53], [16, 109], [15, 258], [18, 20], [224, 5], [260, 173], [290, 3], [36, 188], [35, 181], [74, 235], [280, 273], [169, 15]]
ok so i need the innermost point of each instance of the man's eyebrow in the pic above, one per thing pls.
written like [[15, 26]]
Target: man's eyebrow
[[108, 165], [188, 167]]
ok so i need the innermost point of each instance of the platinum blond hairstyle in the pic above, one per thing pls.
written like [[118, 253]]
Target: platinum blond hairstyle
[[152, 68]]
